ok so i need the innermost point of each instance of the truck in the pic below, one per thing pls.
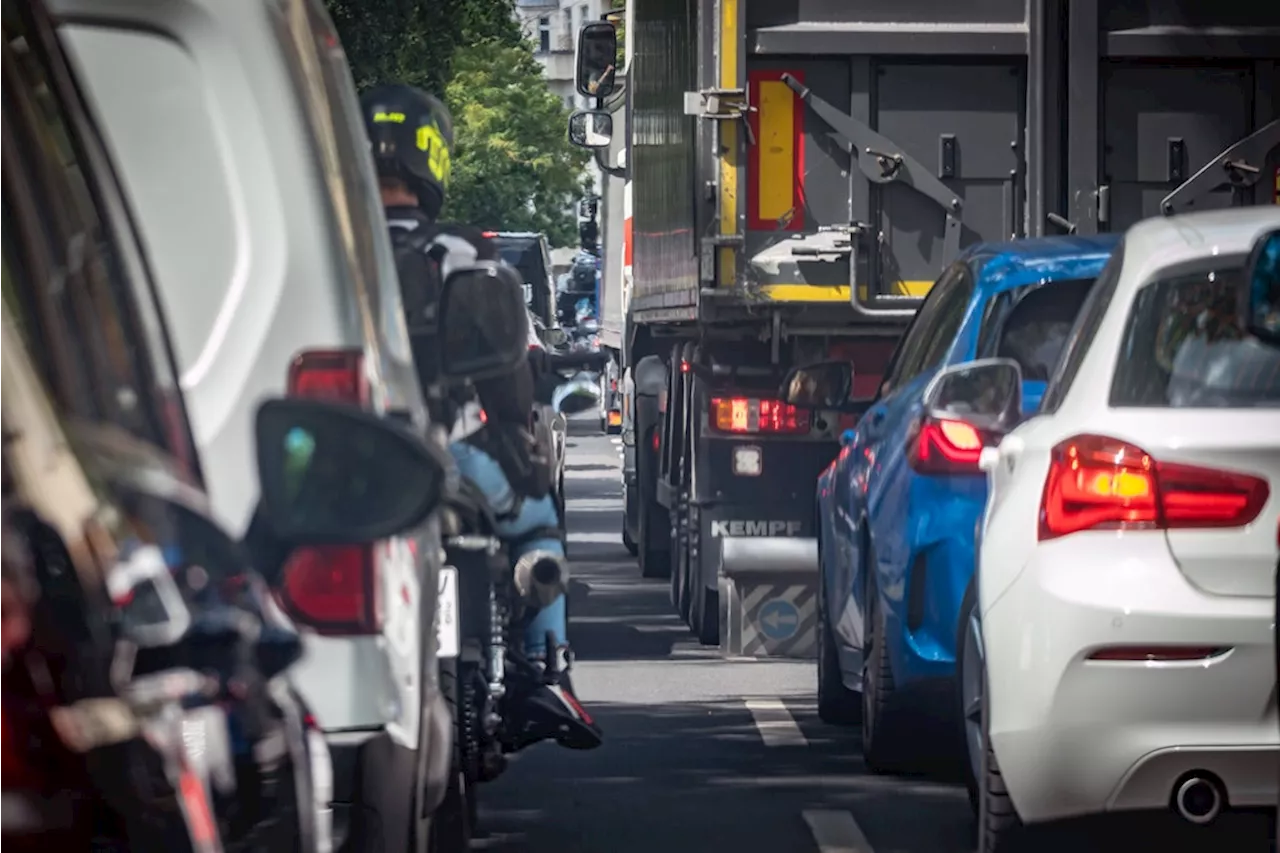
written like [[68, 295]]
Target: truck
[[793, 176]]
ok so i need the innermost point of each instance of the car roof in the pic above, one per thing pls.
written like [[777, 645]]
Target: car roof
[[998, 267], [526, 235], [1157, 244]]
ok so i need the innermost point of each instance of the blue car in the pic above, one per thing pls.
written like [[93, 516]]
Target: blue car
[[898, 508]]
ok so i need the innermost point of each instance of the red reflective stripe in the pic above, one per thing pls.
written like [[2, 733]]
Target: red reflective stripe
[[626, 242]]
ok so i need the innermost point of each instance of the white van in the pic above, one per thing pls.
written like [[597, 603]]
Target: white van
[[236, 132]]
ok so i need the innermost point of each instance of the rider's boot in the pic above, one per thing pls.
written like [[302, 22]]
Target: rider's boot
[[554, 710]]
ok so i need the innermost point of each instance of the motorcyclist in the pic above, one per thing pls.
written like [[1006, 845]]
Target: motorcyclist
[[411, 133]]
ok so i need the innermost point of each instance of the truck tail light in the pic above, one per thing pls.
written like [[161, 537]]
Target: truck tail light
[[945, 446], [333, 589], [754, 415], [1100, 483]]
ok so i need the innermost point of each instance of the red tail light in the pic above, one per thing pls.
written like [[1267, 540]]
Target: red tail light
[[1102, 483], [657, 440], [336, 375], [489, 234], [332, 589], [752, 415], [945, 446]]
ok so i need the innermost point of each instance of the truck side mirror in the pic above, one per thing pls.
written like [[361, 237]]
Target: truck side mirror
[[1260, 296], [591, 129], [594, 66]]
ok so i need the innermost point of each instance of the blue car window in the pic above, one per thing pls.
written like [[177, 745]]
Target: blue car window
[[931, 332], [1030, 325], [1082, 333]]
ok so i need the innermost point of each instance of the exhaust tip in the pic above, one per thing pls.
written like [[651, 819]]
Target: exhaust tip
[[1199, 798]]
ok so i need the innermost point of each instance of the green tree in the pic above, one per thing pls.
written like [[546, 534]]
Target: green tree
[[513, 167]]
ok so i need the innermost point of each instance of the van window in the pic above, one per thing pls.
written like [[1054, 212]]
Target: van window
[[163, 135], [1183, 348], [72, 277]]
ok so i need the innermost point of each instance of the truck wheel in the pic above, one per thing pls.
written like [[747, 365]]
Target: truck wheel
[[837, 704], [627, 541], [706, 613], [654, 562], [882, 739]]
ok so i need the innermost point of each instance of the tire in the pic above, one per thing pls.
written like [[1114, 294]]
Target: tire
[[999, 827], [627, 542], [837, 704], [883, 741], [969, 691], [452, 823], [706, 612], [654, 562]]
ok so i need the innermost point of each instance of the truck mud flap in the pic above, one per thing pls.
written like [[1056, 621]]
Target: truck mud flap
[[768, 596]]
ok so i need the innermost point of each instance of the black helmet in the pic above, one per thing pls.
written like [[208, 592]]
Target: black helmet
[[411, 134]]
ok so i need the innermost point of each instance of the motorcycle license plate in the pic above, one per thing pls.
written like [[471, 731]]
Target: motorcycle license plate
[[447, 632]]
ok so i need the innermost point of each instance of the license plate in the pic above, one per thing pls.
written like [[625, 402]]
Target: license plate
[[447, 634]]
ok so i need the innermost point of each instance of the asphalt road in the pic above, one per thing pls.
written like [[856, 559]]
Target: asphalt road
[[704, 754]]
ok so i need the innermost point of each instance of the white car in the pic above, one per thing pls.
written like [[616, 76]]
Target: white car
[[236, 132], [1117, 652]]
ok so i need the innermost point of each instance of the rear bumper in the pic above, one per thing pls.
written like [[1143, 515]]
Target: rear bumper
[[374, 782]]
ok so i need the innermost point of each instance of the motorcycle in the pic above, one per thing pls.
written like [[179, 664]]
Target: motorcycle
[[490, 681]]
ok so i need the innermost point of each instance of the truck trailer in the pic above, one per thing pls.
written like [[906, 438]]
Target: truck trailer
[[793, 175]]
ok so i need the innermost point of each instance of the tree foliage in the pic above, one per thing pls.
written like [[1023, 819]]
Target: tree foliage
[[513, 167]]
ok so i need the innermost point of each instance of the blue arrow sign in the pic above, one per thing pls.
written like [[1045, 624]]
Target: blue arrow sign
[[779, 619]]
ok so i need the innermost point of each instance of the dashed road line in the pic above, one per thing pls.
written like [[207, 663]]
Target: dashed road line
[[776, 725], [836, 831]]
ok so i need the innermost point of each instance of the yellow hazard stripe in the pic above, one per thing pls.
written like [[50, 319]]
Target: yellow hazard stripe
[[729, 37], [819, 293], [776, 151]]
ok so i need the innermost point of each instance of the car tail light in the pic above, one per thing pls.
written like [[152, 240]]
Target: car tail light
[[336, 375], [332, 589], [945, 446], [753, 415], [489, 234], [1103, 483]]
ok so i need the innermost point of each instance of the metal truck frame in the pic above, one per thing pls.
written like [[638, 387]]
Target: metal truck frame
[[794, 175]]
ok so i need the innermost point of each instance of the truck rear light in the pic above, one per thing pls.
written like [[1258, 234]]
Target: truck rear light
[[1100, 483], [945, 446], [754, 415], [333, 589]]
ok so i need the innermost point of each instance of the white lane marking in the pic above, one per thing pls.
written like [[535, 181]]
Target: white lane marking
[[776, 725], [836, 831], [615, 440], [597, 538]]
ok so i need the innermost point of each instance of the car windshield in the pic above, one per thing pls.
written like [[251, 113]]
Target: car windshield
[[524, 254], [1030, 324], [1183, 349]]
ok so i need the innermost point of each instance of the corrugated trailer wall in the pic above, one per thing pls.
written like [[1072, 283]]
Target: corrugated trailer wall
[[664, 183], [972, 121]]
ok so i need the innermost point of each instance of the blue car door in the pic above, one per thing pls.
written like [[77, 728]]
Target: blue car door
[[889, 485]]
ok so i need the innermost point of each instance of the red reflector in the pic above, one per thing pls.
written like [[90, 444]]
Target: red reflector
[[657, 440], [944, 446], [749, 414], [333, 589], [335, 375], [1096, 483], [685, 367], [489, 234], [1158, 653]]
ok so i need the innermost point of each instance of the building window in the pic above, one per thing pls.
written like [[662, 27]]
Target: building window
[[544, 35], [582, 13]]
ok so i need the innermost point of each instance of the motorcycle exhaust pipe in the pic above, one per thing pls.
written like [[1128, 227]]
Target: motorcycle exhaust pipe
[[1198, 799], [541, 577]]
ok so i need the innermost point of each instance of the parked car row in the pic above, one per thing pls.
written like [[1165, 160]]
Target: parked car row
[[1060, 509], [193, 227]]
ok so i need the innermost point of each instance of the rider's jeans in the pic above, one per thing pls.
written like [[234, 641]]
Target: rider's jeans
[[485, 472]]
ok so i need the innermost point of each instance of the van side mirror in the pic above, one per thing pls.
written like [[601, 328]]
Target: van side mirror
[[1260, 299], [484, 323], [591, 129], [594, 66], [986, 393], [823, 385]]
